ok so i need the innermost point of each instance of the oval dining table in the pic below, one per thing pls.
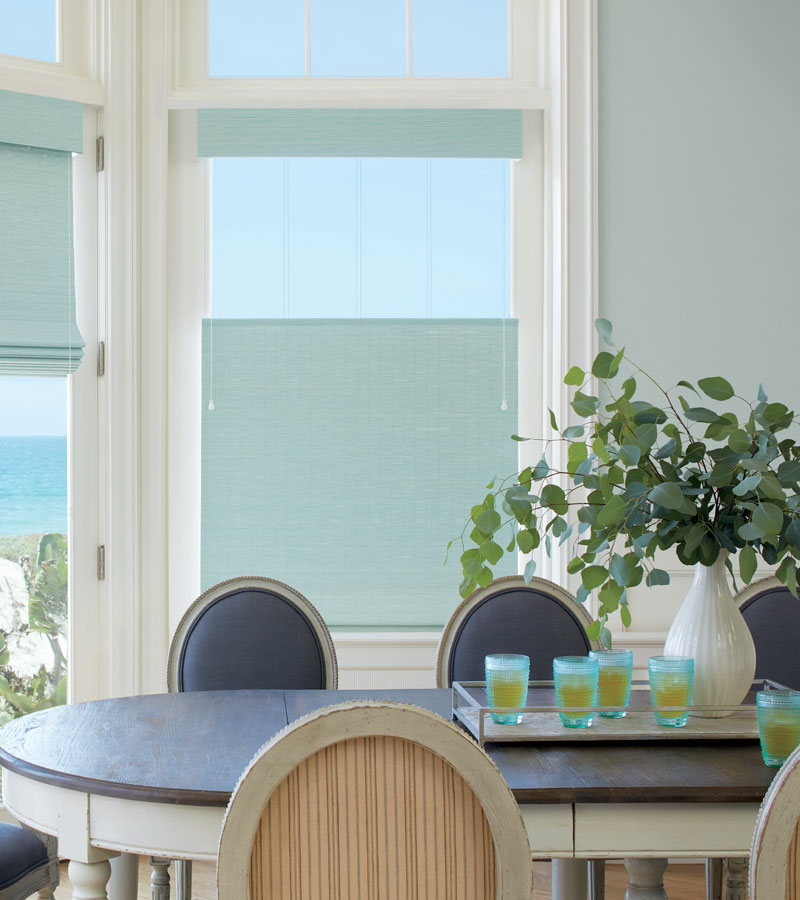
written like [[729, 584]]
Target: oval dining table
[[153, 774]]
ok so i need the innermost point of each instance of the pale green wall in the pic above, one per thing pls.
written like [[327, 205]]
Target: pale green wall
[[699, 212]]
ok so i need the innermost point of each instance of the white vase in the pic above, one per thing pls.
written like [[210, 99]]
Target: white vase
[[710, 629]]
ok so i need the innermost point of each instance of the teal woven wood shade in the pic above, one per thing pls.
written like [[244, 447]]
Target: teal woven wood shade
[[479, 133], [342, 455], [38, 331]]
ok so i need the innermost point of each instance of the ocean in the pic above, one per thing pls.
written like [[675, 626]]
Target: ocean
[[33, 485]]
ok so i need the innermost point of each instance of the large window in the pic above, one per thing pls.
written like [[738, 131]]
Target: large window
[[33, 544], [358, 38], [29, 29]]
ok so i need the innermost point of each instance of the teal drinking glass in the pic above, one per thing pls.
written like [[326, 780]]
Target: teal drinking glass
[[671, 680], [507, 684], [576, 685], [778, 724], [614, 679]]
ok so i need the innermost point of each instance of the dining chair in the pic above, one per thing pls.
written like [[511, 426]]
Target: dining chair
[[773, 617], [511, 615], [775, 851], [28, 863], [373, 799], [246, 633]]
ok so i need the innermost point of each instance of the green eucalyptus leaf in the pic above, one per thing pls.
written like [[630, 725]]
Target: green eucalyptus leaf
[[575, 376], [574, 431], [770, 487], [747, 563], [792, 533], [467, 586], [603, 327], [625, 616], [541, 470], [667, 449], [484, 577], [701, 414], [527, 540], [613, 512], [603, 365], [630, 454], [593, 630], [739, 441], [605, 638], [768, 518], [787, 574], [691, 387], [657, 577], [609, 595], [488, 521], [530, 571], [593, 576], [584, 404], [747, 485], [789, 472], [717, 388], [553, 421], [491, 552], [749, 531], [575, 565], [553, 497], [668, 494], [628, 388]]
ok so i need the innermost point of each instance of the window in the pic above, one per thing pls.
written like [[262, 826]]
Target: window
[[33, 544], [28, 29], [360, 331], [358, 38]]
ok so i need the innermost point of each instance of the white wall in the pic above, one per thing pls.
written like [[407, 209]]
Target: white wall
[[699, 201]]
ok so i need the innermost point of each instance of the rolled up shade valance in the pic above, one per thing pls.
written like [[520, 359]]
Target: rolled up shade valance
[[38, 331], [450, 133], [341, 455]]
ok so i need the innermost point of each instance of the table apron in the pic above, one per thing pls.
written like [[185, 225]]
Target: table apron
[[608, 830], [94, 827]]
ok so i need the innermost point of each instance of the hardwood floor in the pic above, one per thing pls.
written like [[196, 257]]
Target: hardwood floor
[[684, 882]]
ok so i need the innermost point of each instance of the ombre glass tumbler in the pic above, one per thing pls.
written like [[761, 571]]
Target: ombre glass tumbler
[[671, 680], [576, 685], [778, 724], [614, 679], [507, 684]]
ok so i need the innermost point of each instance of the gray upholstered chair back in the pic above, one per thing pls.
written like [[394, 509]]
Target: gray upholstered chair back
[[539, 619], [773, 617], [251, 633]]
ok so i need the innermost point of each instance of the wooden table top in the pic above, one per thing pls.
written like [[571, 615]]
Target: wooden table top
[[191, 748]]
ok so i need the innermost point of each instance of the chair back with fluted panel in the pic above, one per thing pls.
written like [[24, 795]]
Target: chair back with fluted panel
[[378, 800], [251, 633], [773, 617], [775, 852], [537, 618]]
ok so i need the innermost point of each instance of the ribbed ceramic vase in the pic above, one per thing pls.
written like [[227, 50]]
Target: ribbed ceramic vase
[[710, 629]]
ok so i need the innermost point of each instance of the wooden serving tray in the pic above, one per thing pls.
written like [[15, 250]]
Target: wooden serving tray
[[542, 722]]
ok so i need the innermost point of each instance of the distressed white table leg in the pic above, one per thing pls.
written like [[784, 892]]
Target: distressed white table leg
[[159, 878], [736, 878], [89, 880], [124, 881], [646, 879], [714, 878], [183, 879], [569, 881]]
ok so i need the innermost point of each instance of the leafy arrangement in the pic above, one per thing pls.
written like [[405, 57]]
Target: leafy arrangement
[[47, 582], [640, 478]]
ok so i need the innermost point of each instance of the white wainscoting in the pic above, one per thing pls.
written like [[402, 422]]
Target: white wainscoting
[[407, 659]]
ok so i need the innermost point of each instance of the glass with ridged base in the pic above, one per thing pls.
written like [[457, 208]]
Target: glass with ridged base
[[671, 681], [507, 684], [613, 679], [778, 724], [575, 680]]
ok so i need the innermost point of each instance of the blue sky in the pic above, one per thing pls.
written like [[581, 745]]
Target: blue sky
[[468, 257]]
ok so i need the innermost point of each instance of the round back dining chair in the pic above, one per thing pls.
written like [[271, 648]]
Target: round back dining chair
[[775, 855], [535, 618], [373, 799], [251, 633], [28, 863], [773, 617]]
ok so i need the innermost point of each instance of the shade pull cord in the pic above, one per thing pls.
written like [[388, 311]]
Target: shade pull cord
[[211, 406], [504, 401]]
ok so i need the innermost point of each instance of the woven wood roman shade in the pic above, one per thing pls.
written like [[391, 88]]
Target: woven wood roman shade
[[38, 331]]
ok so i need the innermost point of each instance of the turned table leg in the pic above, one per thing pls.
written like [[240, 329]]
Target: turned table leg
[[159, 878], [736, 878], [714, 878], [89, 880], [646, 879]]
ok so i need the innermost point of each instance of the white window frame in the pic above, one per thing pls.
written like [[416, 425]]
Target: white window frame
[[75, 76], [523, 88], [149, 266]]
